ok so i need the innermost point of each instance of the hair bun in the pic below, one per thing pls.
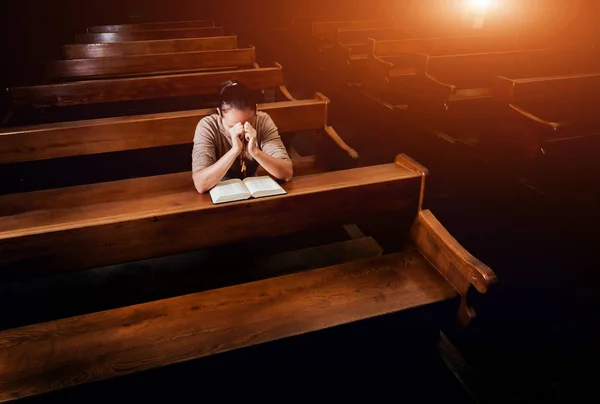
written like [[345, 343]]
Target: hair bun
[[227, 84]]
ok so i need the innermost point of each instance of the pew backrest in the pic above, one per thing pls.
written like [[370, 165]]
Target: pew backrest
[[67, 228], [150, 26], [150, 64], [444, 45], [149, 35], [141, 88], [323, 29], [455, 69], [584, 87], [136, 48], [347, 37], [68, 139]]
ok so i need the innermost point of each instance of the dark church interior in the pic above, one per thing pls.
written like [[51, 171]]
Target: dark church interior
[[435, 243]]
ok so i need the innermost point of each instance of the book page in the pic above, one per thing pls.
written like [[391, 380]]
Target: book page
[[229, 191], [263, 186]]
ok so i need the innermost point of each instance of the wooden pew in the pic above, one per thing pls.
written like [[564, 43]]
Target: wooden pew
[[325, 32], [455, 98], [132, 96], [545, 115], [136, 48], [123, 66], [138, 88], [77, 138], [394, 61], [433, 268], [148, 26], [351, 48], [461, 74], [148, 35]]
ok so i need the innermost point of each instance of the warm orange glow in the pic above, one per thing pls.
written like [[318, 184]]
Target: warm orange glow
[[479, 5]]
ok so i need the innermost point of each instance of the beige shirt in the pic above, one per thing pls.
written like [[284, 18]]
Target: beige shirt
[[211, 142]]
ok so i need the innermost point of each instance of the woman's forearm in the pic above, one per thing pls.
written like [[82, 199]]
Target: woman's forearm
[[208, 177], [278, 168]]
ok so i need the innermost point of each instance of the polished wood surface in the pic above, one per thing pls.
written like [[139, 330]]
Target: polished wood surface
[[49, 356], [442, 45], [515, 90], [77, 138], [327, 28], [479, 69], [101, 224], [150, 26], [349, 37], [150, 64], [141, 88], [149, 35], [453, 261], [136, 48]]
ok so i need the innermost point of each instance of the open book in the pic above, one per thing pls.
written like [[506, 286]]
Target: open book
[[251, 187]]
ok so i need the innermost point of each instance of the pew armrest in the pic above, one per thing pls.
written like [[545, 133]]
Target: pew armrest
[[286, 94], [540, 123], [461, 269], [436, 87], [379, 65], [340, 142]]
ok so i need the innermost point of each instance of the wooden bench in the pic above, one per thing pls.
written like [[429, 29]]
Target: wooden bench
[[352, 45], [468, 75], [392, 63], [431, 269], [136, 48], [147, 26], [120, 96], [546, 114], [122, 66], [68, 140], [149, 35], [325, 32]]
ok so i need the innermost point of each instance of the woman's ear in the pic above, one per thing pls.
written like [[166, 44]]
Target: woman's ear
[[219, 112]]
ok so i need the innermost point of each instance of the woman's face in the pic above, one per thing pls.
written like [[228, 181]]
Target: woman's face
[[234, 116]]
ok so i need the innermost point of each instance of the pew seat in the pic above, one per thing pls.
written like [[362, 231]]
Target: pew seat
[[431, 268]]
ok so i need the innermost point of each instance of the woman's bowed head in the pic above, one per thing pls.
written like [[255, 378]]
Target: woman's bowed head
[[235, 140]]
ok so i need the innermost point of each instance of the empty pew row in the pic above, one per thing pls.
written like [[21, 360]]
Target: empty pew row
[[140, 218], [148, 35], [137, 48], [320, 36], [131, 96], [325, 32], [150, 64], [546, 113], [351, 48], [150, 26], [451, 74], [390, 61], [454, 96]]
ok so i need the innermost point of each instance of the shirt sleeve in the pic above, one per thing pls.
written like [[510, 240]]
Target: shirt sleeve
[[270, 141], [204, 152]]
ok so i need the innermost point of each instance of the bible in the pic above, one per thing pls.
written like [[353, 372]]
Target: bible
[[251, 187]]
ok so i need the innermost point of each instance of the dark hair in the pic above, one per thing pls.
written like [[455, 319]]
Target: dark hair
[[234, 94]]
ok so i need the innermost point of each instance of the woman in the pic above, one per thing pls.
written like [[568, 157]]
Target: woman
[[233, 142]]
